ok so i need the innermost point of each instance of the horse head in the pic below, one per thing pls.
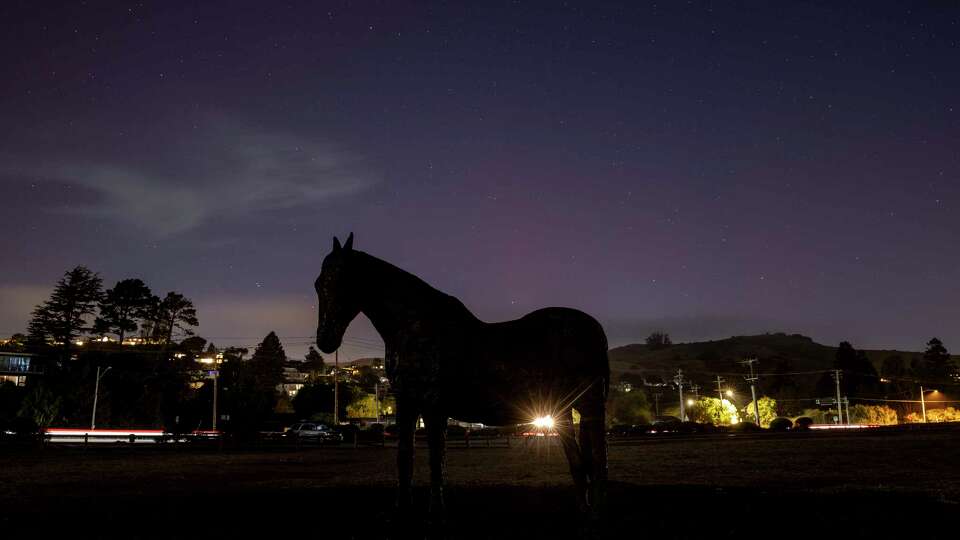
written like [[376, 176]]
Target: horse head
[[337, 301]]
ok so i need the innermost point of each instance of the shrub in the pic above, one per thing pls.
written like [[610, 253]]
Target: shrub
[[943, 415], [803, 423], [872, 414], [745, 427], [781, 424]]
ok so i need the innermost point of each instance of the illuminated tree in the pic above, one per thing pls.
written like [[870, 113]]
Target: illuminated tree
[[768, 410], [710, 410], [873, 414]]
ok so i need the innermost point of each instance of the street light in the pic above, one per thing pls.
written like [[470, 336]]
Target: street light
[[543, 422], [96, 391], [923, 404]]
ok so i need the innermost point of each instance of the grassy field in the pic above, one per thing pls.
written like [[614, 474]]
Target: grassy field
[[803, 485]]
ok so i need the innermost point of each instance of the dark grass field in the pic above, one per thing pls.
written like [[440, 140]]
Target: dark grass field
[[792, 485]]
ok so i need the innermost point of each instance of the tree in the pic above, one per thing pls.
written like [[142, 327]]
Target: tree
[[893, 367], [315, 400], [62, 317], [123, 306], [267, 362], [767, 407], [710, 410], [234, 354], [249, 389], [628, 407], [41, 406], [658, 340], [937, 365], [368, 378], [859, 375], [174, 312], [193, 345], [315, 363]]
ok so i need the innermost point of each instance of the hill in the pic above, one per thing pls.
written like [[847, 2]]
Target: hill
[[703, 361]]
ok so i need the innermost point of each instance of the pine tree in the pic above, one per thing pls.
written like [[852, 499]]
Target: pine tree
[[174, 312], [315, 362], [938, 366], [267, 362], [61, 319], [123, 306]]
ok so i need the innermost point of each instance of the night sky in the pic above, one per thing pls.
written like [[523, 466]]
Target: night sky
[[706, 169]]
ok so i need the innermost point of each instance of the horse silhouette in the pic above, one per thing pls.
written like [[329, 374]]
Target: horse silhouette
[[443, 362]]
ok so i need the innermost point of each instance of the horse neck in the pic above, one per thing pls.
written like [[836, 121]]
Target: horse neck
[[394, 299]]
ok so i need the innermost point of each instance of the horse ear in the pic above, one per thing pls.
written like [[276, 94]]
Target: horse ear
[[336, 244], [349, 245]]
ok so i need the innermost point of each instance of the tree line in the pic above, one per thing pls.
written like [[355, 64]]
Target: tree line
[[157, 380]]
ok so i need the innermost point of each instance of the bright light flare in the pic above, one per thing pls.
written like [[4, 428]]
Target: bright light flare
[[543, 422]]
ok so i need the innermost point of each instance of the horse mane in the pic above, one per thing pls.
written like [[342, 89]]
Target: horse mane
[[399, 280]]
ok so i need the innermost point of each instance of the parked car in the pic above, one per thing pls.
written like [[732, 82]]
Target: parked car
[[313, 432]]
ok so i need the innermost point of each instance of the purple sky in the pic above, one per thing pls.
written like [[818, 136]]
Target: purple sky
[[703, 169]]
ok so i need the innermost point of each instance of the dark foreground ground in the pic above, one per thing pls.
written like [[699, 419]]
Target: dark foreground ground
[[793, 485]]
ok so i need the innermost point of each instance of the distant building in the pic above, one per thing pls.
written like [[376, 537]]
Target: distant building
[[293, 378], [16, 367]]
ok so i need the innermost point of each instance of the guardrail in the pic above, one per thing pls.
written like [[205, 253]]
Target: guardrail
[[111, 436]]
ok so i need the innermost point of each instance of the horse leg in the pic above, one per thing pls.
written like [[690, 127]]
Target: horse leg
[[406, 428], [593, 427], [574, 458], [437, 440]]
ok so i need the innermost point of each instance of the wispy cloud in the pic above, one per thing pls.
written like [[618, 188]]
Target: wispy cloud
[[176, 181]]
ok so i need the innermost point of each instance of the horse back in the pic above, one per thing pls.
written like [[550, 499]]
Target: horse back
[[549, 352]]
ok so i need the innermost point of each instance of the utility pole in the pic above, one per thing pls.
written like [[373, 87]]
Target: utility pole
[[656, 402], [752, 379], [376, 400], [96, 392], [923, 405], [836, 378], [216, 375], [719, 389], [696, 391], [336, 388], [679, 380]]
